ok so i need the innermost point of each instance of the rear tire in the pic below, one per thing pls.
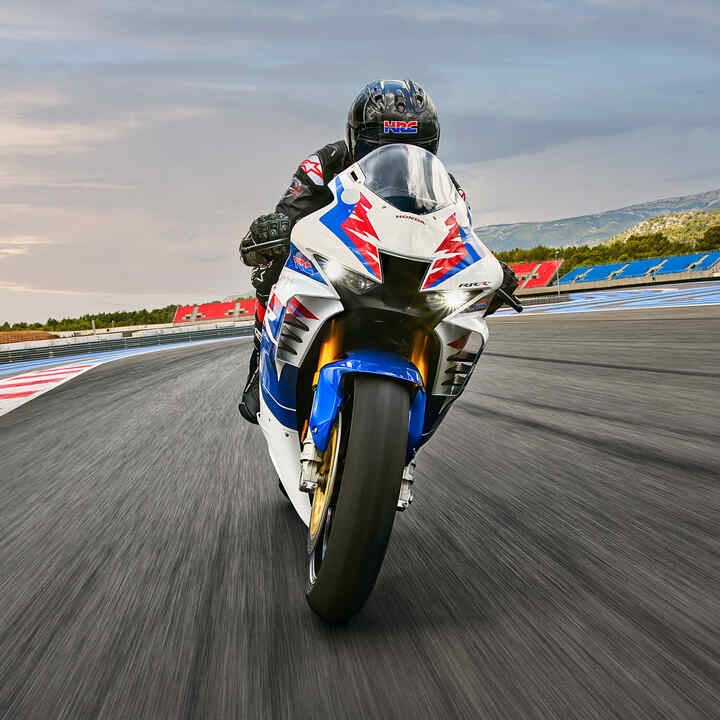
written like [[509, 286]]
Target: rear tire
[[345, 561]]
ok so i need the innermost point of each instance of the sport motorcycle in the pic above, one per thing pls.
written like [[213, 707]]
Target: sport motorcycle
[[370, 334]]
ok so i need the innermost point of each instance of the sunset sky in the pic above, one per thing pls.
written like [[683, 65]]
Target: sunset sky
[[138, 139]]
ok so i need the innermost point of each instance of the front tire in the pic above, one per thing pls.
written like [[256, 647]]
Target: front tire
[[345, 556]]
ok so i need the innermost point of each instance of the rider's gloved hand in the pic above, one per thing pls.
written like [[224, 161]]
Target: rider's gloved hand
[[509, 285], [510, 280], [268, 239]]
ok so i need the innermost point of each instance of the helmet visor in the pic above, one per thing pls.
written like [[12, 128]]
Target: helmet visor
[[368, 141]]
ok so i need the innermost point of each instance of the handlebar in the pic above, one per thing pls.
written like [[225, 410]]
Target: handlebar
[[511, 300]]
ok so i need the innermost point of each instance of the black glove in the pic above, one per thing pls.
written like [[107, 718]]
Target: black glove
[[509, 285], [510, 281], [267, 240]]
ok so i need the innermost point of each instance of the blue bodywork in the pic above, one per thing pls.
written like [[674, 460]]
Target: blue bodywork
[[330, 392], [279, 392]]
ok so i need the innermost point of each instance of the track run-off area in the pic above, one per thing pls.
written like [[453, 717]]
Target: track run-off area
[[561, 558]]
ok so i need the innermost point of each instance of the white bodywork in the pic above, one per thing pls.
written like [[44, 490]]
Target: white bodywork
[[417, 237]]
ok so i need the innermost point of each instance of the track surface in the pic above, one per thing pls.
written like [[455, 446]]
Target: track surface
[[562, 557]]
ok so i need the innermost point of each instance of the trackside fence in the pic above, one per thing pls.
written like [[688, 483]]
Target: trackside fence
[[124, 343]]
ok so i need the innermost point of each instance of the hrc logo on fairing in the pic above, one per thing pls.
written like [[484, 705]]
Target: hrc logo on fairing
[[400, 127], [302, 261]]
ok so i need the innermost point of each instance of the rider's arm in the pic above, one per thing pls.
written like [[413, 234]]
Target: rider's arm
[[308, 189], [269, 235]]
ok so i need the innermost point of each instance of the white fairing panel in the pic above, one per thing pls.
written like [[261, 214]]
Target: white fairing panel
[[353, 230], [284, 450]]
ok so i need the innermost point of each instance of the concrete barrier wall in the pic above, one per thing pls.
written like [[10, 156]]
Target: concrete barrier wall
[[105, 337], [10, 353]]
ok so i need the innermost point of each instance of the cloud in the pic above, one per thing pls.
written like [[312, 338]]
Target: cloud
[[24, 138], [24, 240], [585, 176], [7, 252], [30, 137], [19, 245], [16, 287], [138, 140]]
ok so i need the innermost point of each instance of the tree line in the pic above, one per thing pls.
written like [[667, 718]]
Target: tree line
[[636, 247], [102, 320], [122, 318]]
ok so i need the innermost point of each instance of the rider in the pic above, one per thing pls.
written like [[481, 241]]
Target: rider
[[266, 246]]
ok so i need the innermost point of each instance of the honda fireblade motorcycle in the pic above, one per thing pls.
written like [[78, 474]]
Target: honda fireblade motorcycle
[[371, 332]]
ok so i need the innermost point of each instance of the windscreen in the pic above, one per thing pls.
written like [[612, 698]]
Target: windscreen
[[409, 178]]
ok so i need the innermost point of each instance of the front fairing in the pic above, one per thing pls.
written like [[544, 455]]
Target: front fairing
[[358, 225]]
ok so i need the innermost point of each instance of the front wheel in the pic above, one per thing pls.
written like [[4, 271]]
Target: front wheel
[[354, 507]]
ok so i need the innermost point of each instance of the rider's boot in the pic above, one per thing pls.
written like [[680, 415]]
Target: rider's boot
[[249, 406]]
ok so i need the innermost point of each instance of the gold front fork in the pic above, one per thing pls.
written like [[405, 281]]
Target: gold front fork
[[418, 353], [330, 348]]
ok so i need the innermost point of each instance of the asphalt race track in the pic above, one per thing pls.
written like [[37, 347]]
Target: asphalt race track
[[561, 559]]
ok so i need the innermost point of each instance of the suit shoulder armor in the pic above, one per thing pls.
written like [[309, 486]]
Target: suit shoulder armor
[[322, 166]]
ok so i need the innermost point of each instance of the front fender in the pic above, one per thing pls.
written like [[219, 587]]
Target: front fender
[[330, 392]]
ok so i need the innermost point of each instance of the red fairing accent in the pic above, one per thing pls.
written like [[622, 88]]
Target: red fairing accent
[[297, 309], [454, 250], [358, 228], [260, 313], [461, 342]]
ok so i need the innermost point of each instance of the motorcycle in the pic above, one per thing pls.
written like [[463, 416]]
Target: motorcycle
[[370, 334]]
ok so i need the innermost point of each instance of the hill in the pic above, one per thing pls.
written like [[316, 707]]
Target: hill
[[635, 247], [678, 227], [590, 229]]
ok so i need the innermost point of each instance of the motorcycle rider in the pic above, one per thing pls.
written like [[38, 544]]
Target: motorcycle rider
[[369, 125]]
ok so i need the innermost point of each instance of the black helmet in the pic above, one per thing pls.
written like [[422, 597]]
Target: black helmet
[[392, 111]]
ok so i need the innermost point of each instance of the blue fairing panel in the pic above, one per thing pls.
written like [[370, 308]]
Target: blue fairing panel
[[279, 393], [330, 392]]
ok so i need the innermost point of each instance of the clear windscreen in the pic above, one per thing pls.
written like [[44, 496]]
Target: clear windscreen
[[409, 178]]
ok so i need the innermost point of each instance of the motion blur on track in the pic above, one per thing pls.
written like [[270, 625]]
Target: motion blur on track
[[150, 567]]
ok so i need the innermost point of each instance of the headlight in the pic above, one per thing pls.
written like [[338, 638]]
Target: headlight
[[447, 299], [340, 275]]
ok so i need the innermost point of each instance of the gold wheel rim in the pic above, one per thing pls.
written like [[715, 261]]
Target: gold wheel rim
[[326, 481]]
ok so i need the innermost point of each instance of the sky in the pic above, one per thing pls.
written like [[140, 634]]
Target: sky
[[138, 140]]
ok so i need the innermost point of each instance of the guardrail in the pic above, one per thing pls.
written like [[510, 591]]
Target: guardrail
[[124, 343]]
